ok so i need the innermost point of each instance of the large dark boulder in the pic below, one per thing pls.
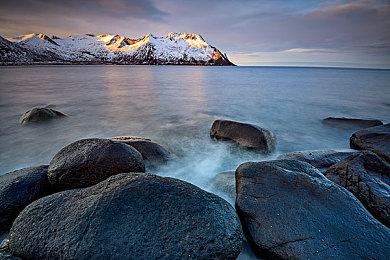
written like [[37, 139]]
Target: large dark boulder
[[321, 159], [153, 154], [246, 135], [345, 122], [289, 210], [90, 161], [367, 176], [225, 182], [20, 188], [39, 114], [375, 139], [129, 216]]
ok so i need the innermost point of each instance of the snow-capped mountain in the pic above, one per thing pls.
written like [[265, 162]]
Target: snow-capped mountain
[[175, 48]]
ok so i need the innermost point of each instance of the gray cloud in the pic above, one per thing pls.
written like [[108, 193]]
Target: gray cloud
[[321, 30]]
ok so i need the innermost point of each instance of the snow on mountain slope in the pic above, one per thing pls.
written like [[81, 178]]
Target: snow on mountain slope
[[175, 48]]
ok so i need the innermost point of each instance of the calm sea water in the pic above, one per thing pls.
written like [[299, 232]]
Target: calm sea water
[[176, 105]]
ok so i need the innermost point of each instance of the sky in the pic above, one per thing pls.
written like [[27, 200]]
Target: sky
[[338, 33]]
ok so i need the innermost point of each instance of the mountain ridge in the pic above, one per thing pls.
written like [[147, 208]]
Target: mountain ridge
[[172, 49]]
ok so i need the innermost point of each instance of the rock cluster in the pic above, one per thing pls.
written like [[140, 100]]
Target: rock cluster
[[289, 210], [95, 201]]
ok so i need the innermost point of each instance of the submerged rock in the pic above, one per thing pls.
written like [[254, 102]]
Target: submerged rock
[[246, 135], [153, 154], [90, 161], [367, 176], [375, 139], [39, 114], [321, 159], [351, 122], [130, 215], [289, 210], [20, 188], [226, 183]]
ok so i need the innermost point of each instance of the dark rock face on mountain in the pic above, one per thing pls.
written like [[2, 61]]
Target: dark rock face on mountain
[[11, 53], [374, 139], [40, 114], [345, 122], [289, 210], [130, 215], [175, 49], [367, 176], [20, 188], [246, 135], [90, 161], [152, 153], [321, 159]]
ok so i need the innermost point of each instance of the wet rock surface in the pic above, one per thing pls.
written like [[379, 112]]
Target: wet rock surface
[[40, 114], [367, 176], [374, 139], [89, 161], [321, 159], [289, 210], [131, 214], [20, 188], [152, 153], [246, 135]]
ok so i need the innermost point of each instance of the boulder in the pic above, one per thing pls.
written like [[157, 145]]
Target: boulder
[[367, 176], [321, 159], [90, 161], [130, 215], [345, 122], [20, 188], [375, 139], [246, 135], [289, 210], [39, 114], [153, 154], [225, 182]]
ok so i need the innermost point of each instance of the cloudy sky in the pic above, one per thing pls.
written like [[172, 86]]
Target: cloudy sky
[[262, 32]]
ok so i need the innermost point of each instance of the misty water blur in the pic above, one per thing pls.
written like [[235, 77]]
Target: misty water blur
[[176, 105]]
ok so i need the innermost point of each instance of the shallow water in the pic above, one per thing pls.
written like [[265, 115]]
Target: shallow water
[[176, 105]]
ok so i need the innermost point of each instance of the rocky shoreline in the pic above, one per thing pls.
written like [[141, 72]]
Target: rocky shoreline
[[96, 199]]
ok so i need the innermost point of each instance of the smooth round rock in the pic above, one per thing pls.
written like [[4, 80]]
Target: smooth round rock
[[289, 210], [152, 153], [90, 161], [20, 188], [374, 139], [39, 114], [246, 135], [129, 216], [367, 176]]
